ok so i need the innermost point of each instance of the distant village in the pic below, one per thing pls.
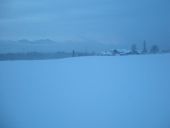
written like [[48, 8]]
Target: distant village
[[133, 51]]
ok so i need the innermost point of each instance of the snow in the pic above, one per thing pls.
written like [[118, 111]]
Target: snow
[[86, 92]]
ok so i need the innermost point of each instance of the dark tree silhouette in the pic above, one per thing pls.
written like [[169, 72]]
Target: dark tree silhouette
[[73, 53], [154, 49], [115, 52], [134, 49]]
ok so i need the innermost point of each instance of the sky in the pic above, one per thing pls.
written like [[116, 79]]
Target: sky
[[104, 21]]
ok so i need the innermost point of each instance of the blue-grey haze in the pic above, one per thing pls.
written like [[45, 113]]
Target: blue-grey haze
[[117, 22]]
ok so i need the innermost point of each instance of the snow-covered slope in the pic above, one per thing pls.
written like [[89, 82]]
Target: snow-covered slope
[[87, 92]]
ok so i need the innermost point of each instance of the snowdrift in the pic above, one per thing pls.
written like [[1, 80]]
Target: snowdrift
[[86, 92]]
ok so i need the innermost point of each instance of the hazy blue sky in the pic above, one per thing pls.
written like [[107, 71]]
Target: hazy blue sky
[[109, 21]]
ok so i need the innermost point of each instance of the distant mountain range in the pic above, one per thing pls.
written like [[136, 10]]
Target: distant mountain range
[[47, 45]]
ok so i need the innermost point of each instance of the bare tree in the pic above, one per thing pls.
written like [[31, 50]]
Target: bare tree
[[73, 53]]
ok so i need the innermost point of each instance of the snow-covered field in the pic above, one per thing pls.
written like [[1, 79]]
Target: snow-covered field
[[86, 92]]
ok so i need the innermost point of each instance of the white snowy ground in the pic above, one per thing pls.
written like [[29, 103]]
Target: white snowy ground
[[86, 92]]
